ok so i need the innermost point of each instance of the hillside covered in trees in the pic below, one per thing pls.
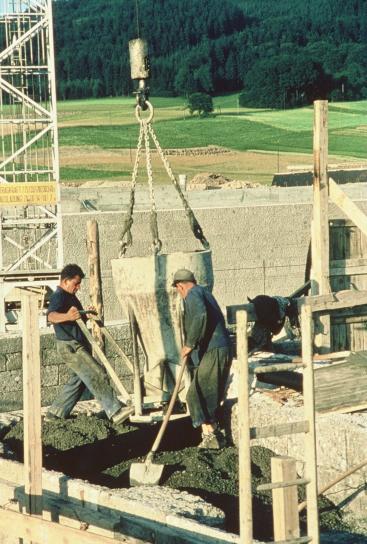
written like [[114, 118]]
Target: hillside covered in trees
[[279, 53]]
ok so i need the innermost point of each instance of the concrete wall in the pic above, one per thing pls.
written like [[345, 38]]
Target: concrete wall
[[259, 239], [54, 373]]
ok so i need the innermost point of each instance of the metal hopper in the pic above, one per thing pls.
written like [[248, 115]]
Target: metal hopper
[[143, 286]]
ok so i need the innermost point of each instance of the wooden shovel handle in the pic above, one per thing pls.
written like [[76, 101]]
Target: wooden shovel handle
[[160, 434]]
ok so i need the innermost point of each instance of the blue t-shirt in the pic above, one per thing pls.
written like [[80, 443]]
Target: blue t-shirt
[[61, 301]]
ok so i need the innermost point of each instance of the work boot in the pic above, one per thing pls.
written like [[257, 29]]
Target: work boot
[[122, 414], [213, 441]]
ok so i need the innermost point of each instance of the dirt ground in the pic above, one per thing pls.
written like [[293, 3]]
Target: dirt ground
[[91, 448], [245, 166]]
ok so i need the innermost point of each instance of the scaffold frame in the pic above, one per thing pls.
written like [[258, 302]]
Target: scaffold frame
[[30, 215]]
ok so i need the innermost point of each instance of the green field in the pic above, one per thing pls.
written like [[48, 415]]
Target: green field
[[109, 125]]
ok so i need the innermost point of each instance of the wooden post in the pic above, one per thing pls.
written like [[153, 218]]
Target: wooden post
[[32, 403], [310, 436], [243, 415], [95, 286], [320, 221], [285, 500]]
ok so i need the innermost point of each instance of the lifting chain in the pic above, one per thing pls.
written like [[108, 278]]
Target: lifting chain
[[128, 223], [146, 132], [157, 244], [194, 223]]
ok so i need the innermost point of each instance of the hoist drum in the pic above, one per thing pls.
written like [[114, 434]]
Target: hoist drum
[[144, 284]]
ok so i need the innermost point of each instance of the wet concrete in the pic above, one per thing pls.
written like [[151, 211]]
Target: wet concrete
[[93, 449]]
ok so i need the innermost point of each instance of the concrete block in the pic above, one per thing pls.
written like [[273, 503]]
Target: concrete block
[[50, 356], [10, 343], [14, 361], [2, 362], [13, 382], [49, 376]]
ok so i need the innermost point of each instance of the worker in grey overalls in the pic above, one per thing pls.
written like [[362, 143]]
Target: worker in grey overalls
[[207, 343]]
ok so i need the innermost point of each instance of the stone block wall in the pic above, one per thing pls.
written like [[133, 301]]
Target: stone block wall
[[256, 249], [54, 373]]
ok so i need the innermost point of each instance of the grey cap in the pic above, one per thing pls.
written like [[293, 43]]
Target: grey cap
[[183, 275]]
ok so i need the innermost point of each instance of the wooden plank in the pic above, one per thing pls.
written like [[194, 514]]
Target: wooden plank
[[320, 222], [334, 301], [356, 312], [118, 348], [277, 368], [245, 494], [282, 484], [360, 320], [285, 500], [343, 386], [145, 525], [341, 270], [300, 540], [310, 471], [235, 308], [351, 210], [32, 403], [95, 282], [280, 429], [16, 525], [111, 372]]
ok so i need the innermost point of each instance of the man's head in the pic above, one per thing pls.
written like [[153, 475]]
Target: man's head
[[71, 277], [183, 280]]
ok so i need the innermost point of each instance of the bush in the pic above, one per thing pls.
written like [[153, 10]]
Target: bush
[[200, 102]]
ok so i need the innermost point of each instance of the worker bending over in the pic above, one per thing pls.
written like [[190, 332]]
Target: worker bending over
[[207, 343], [74, 349]]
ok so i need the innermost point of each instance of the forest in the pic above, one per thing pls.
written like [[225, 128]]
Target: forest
[[274, 53]]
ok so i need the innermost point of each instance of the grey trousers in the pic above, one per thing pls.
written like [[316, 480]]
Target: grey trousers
[[87, 373], [208, 384]]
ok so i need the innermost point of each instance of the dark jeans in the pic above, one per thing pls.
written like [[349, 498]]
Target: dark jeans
[[87, 373], [208, 384]]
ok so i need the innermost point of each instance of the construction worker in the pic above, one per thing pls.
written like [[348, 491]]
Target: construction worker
[[207, 343], [73, 348]]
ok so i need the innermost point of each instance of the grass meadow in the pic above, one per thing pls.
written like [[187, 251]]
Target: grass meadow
[[98, 137]]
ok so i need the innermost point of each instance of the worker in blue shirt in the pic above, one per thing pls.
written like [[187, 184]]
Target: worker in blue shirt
[[207, 343], [73, 348]]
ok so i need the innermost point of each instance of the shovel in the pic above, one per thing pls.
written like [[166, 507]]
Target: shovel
[[149, 473]]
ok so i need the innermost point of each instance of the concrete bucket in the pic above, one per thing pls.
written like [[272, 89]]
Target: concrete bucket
[[143, 286]]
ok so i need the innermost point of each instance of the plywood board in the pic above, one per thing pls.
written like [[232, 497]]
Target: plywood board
[[342, 387]]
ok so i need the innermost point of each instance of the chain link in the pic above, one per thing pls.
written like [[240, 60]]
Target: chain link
[[126, 230], [157, 244], [195, 226]]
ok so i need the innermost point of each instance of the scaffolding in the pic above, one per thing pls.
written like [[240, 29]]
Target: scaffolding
[[30, 218]]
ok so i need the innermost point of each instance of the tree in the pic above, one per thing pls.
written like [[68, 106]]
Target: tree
[[200, 102]]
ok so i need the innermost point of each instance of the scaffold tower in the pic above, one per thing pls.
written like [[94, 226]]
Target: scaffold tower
[[30, 218]]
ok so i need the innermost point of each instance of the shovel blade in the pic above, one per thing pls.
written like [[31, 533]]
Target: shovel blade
[[147, 473]]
